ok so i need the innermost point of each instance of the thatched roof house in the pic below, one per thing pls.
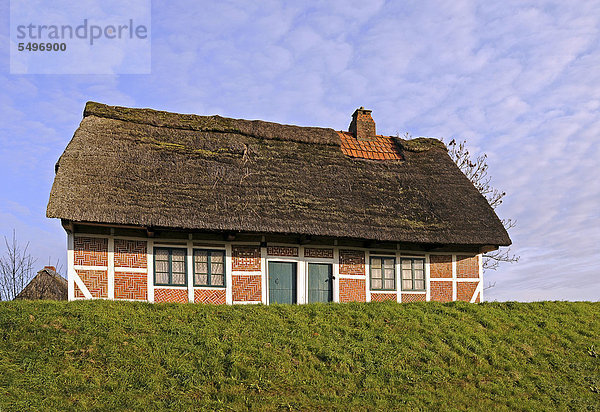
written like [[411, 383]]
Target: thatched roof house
[[146, 174], [46, 285]]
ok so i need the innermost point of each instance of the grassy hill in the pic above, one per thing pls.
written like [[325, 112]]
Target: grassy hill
[[377, 356]]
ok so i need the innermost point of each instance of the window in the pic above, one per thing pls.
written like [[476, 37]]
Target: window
[[382, 273], [209, 267], [169, 267], [413, 274]]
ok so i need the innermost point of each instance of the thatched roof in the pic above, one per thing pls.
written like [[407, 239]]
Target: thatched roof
[[157, 169], [47, 284]]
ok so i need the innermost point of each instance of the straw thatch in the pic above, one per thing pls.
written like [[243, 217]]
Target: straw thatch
[[157, 169], [47, 284]]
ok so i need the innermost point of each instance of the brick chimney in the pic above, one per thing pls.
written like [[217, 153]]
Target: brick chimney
[[362, 125]]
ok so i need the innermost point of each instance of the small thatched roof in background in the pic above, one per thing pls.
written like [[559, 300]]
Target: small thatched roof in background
[[157, 169], [47, 284]]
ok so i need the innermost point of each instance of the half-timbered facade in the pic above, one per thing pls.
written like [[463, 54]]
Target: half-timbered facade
[[164, 207]]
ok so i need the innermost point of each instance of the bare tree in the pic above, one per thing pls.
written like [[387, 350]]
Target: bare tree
[[476, 171], [16, 268]]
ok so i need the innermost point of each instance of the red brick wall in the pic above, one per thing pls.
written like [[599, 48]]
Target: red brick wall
[[246, 288], [170, 295], [246, 258], [467, 266], [441, 291], [96, 282], [380, 297], [282, 251], [130, 253], [91, 251], [215, 296], [465, 290], [413, 297], [131, 285], [440, 266], [352, 290], [352, 262], [313, 252]]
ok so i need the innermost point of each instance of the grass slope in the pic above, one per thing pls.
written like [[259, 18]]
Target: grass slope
[[376, 356]]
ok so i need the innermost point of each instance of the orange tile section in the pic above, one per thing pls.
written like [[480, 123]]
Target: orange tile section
[[91, 251], [214, 296], [246, 288], [465, 290], [132, 285], [170, 295], [381, 148], [352, 290], [467, 266], [380, 297], [130, 253], [246, 258], [413, 297], [440, 266], [441, 291], [96, 281], [352, 262]]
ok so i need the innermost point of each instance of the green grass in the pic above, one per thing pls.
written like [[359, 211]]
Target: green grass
[[377, 356]]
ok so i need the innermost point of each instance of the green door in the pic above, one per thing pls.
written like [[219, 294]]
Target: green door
[[320, 283], [282, 282]]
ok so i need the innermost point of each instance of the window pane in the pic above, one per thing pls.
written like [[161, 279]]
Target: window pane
[[419, 274], [178, 255], [406, 264], [216, 257], [179, 278], [419, 284], [407, 284], [388, 263], [389, 273], [376, 284], [162, 254], [376, 262], [406, 274], [162, 277], [418, 264], [389, 284], [178, 267], [375, 273], [201, 279], [200, 256], [216, 268], [162, 266], [201, 267], [217, 280]]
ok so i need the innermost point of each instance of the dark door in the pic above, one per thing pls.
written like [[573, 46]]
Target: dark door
[[282, 282], [320, 283]]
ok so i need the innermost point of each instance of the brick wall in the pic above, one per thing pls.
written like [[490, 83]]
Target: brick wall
[[246, 258], [132, 285], [440, 266], [246, 288], [282, 251], [170, 295], [130, 254], [441, 291], [91, 251], [96, 282], [465, 290], [214, 296], [352, 290], [467, 266], [313, 252], [413, 297], [352, 262], [380, 297]]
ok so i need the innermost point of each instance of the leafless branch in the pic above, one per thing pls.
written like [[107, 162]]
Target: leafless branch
[[16, 268]]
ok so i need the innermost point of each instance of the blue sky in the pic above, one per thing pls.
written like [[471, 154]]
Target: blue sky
[[519, 81]]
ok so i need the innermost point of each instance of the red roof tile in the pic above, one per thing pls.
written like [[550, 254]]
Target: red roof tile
[[382, 148]]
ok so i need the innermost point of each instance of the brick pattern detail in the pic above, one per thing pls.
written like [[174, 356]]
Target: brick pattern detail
[[282, 251], [441, 291], [214, 296], [171, 295], [130, 253], [131, 286], [313, 252], [413, 297], [91, 251], [465, 290], [467, 266], [96, 282], [352, 290], [440, 266], [381, 297], [352, 262], [246, 258], [247, 288]]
